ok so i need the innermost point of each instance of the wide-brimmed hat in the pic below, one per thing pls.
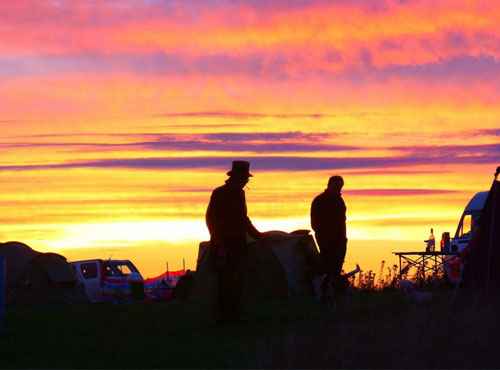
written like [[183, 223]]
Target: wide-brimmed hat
[[240, 169]]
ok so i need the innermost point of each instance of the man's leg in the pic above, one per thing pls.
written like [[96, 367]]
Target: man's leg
[[225, 283], [339, 251], [327, 254], [240, 272]]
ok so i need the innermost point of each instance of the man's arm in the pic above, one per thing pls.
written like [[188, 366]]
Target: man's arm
[[315, 215], [214, 219], [249, 227]]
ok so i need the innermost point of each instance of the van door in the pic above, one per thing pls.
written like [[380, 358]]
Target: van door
[[90, 274]]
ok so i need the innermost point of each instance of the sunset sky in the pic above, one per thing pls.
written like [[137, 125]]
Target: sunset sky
[[118, 119]]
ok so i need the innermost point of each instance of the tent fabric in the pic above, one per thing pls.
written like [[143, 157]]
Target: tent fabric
[[484, 251], [17, 255], [56, 267], [280, 270], [39, 279]]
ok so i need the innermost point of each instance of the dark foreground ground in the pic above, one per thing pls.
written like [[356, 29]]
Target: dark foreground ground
[[372, 330]]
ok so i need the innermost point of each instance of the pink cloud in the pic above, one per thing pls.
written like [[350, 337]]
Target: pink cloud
[[312, 31]]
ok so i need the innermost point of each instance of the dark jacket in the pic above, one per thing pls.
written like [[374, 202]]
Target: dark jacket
[[226, 215], [328, 216]]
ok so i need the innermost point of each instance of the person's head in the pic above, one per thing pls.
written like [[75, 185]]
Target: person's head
[[335, 184], [240, 173]]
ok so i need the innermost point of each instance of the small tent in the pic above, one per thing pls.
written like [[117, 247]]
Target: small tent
[[280, 270], [484, 251], [39, 279]]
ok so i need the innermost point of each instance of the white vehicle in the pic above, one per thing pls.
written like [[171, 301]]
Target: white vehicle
[[463, 234], [110, 280]]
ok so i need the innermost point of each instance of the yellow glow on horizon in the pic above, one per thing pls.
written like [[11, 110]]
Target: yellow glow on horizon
[[126, 234]]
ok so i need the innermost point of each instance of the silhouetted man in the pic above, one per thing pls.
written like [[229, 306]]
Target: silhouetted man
[[328, 222], [228, 224]]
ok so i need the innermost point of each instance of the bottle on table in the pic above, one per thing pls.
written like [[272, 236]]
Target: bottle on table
[[431, 243]]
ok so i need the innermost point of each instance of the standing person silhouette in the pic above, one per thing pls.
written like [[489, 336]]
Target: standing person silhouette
[[328, 222], [228, 223]]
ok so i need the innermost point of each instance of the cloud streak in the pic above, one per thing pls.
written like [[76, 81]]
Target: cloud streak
[[241, 142], [250, 115], [266, 163], [397, 192], [282, 148], [241, 115], [271, 142], [267, 66], [463, 152]]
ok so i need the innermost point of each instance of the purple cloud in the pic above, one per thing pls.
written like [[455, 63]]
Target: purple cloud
[[274, 6], [391, 45], [486, 132], [280, 143], [268, 163], [456, 39], [272, 142], [397, 192], [243, 146], [267, 66], [248, 115], [458, 151], [463, 68], [268, 136]]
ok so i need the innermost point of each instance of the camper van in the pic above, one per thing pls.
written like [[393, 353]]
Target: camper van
[[463, 235], [110, 280]]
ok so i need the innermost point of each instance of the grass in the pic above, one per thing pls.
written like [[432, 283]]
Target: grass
[[374, 329]]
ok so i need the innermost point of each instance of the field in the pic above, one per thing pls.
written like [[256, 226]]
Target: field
[[373, 329]]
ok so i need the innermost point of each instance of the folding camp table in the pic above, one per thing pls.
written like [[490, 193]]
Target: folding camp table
[[420, 260]]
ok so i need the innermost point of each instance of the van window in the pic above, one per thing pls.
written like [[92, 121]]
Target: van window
[[89, 270], [466, 225], [125, 270], [118, 268], [468, 222]]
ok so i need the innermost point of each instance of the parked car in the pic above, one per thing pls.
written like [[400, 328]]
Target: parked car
[[110, 280]]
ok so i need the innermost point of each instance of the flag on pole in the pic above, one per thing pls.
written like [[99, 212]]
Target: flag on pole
[[161, 287]]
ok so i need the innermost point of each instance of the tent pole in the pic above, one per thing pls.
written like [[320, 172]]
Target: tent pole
[[492, 229]]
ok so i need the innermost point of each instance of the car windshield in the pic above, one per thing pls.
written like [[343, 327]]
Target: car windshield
[[118, 268]]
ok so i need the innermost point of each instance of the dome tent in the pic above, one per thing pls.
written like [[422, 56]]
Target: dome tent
[[280, 270], [39, 279], [17, 256]]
